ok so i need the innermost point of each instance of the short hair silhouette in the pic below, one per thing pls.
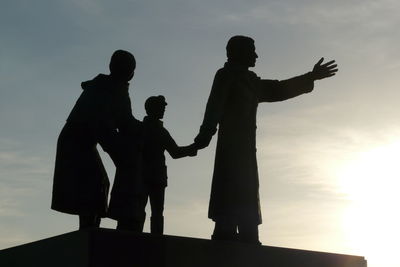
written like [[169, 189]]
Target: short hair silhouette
[[154, 103], [236, 45], [122, 64]]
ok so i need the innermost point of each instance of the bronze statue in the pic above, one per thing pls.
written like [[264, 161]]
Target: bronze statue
[[232, 106], [128, 205], [157, 139], [101, 113]]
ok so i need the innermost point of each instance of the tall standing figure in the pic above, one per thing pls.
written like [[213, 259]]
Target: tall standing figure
[[100, 114], [232, 105]]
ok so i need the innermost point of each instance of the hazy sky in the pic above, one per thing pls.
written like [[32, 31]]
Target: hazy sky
[[327, 160]]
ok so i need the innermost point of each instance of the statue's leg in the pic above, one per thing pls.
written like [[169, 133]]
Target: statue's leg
[[157, 209], [224, 230], [134, 225], [248, 233]]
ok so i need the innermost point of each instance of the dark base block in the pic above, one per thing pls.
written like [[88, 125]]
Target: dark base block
[[111, 248]]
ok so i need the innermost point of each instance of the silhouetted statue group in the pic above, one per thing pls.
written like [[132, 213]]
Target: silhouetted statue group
[[103, 115]]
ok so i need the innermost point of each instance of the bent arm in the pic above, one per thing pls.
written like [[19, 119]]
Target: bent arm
[[122, 109], [214, 109]]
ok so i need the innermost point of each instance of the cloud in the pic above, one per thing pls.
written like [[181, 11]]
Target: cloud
[[25, 190], [379, 15], [89, 6], [24, 176], [300, 151], [358, 28]]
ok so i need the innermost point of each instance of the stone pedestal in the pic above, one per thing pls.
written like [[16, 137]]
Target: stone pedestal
[[111, 248]]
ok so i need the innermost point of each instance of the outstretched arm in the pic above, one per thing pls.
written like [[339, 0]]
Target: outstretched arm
[[274, 90], [176, 151]]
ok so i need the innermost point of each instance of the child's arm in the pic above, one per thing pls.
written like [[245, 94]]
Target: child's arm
[[176, 151], [183, 151]]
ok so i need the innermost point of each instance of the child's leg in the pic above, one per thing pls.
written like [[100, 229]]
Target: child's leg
[[157, 208], [135, 222]]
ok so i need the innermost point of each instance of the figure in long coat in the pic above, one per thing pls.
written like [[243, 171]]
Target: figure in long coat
[[232, 105], [101, 113]]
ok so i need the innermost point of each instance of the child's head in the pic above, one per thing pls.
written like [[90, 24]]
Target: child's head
[[122, 65], [155, 106]]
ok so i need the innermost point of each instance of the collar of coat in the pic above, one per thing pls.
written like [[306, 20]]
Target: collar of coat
[[151, 120], [236, 67], [242, 71], [106, 81]]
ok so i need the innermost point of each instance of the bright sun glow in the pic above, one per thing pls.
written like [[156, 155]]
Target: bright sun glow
[[371, 182]]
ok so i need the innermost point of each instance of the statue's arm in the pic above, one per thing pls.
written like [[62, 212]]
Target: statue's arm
[[125, 120], [214, 108], [274, 90], [176, 151]]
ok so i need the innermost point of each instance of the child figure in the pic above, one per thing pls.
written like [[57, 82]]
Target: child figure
[[156, 140]]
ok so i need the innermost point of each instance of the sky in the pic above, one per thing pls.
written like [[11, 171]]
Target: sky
[[327, 160]]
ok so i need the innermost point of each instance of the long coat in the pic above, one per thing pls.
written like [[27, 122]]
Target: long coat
[[127, 199], [80, 184], [232, 105]]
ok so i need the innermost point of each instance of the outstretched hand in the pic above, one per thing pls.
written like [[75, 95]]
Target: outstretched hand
[[322, 71]]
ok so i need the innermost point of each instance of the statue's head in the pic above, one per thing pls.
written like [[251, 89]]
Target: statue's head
[[155, 106], [241, 50], [122, 65]]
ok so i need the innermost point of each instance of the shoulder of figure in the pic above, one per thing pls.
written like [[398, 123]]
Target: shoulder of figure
[[164, 130], [99, 81], [253, 75], [224, 75]]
